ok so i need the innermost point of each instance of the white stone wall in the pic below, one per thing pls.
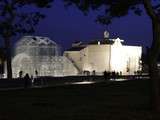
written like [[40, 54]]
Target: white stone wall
[[133, 55], [101, 57], [75, 57], [117, 58], [98, 58]]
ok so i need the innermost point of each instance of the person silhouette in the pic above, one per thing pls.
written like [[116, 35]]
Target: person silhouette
[[27, 81], [105, 75], [20, 74], [36, 73]]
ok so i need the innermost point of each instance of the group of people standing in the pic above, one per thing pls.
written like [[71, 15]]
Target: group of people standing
[[28, 80], [107, 75]]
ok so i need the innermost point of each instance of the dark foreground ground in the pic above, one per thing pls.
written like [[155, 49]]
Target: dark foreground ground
[[128, 100]]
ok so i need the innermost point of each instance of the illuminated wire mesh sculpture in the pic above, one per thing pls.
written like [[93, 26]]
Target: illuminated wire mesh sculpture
[[34, 53]]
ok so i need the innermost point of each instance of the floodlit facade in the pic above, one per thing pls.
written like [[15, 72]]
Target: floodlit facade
[[34, 53], [40, 54], [105, 55]]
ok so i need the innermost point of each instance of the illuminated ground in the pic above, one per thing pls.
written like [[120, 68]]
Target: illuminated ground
[[128, 100]]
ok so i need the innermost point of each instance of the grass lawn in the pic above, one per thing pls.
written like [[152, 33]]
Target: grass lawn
[[128, 100]]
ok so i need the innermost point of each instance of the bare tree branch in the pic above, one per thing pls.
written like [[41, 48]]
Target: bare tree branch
[[149, 9]]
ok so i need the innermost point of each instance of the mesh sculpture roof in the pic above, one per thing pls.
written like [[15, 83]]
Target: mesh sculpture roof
[[35, 41]]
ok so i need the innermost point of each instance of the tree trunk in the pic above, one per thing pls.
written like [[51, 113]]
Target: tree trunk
[[155, 88], [154, 54], [8, 57], [153, 70]]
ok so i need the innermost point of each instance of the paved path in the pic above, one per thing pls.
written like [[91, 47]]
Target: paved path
[[45, 86]]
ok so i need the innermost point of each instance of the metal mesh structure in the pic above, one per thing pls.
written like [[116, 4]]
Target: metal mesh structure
[[42, 55], [37, 46]]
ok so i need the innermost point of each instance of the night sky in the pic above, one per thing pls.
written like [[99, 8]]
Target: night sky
[[66, 25]]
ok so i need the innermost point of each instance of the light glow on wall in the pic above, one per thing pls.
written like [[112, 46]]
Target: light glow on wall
[[124, 59]]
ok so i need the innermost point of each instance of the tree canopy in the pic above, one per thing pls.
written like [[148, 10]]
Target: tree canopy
[[114, 8], [13, 20]]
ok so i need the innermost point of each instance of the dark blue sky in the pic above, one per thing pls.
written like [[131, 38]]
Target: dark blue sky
[[65, 26]]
